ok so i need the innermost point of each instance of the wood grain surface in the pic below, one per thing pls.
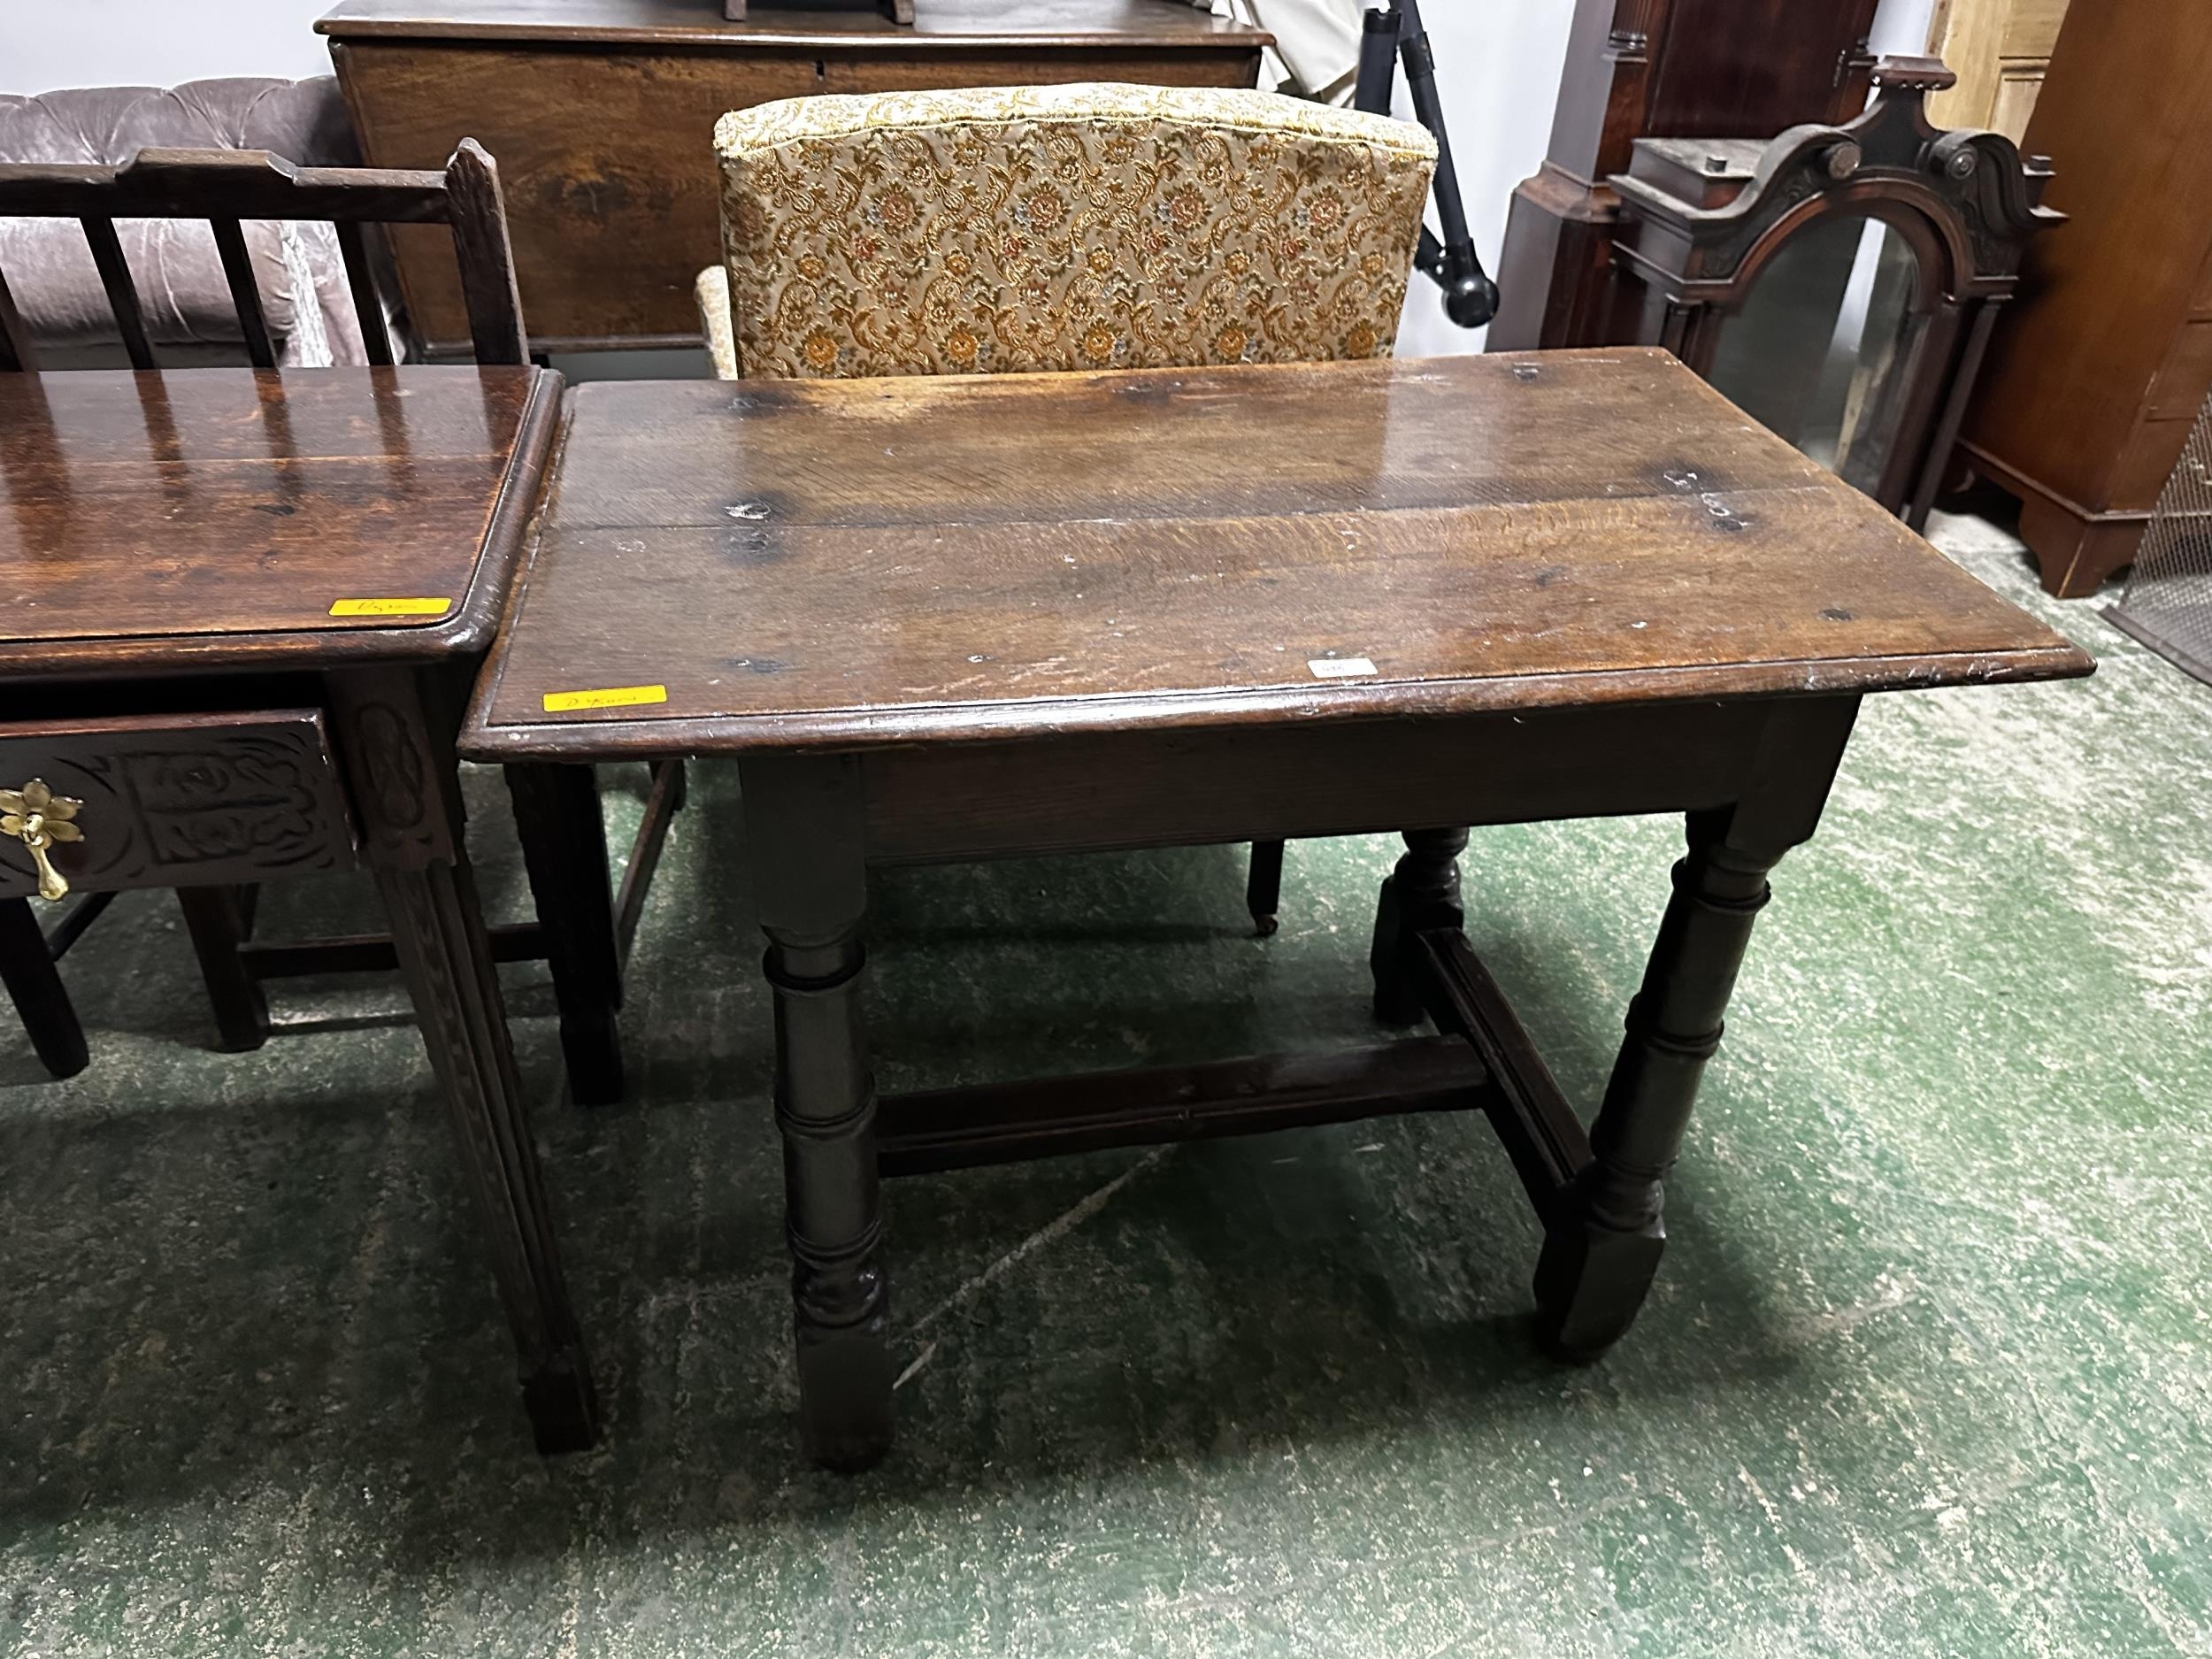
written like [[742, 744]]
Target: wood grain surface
[[854, 563], [215, 516]]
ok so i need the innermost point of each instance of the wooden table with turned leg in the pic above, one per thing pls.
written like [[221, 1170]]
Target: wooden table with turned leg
[[997, 616], [245, 610]]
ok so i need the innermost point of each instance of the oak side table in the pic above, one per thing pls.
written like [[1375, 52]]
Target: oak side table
[[244, 610], [984, 617]]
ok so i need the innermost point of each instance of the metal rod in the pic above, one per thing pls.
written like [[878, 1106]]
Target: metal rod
[[1470, 298]]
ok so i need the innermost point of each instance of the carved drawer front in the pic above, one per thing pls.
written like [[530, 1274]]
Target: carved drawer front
[[172, 800]]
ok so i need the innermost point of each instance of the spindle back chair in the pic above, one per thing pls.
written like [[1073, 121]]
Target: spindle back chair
[[228, 186]]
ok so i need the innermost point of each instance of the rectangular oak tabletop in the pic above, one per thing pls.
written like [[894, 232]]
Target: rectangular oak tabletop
[[222, 517], [835, 565]]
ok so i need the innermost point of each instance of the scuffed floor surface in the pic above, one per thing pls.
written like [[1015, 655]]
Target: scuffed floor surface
[[1926, 1372]]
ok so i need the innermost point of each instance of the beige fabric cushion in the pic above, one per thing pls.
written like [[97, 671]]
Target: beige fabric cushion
[[1064, 227]]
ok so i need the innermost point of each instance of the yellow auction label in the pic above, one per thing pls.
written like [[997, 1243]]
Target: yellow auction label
[[390, 607], [607, 697]]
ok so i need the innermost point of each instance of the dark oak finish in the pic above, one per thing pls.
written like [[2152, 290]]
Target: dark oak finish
[[567, 857], [991, 616], [416, 512], [1662, 69], [174, 543], [278, 496], [1001, 1123], [601, 114], [1492, 534], [2097, 372]]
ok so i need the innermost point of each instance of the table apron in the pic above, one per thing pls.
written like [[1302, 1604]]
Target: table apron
[[1094, 791]]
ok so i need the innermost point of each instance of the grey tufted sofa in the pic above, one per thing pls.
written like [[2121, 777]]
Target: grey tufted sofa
[[178, 274]]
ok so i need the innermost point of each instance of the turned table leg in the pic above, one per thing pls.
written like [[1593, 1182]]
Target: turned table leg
[[397, 759], [805, 839], [1422, 892], [1604, 1239], [564, 850], [34, 984]]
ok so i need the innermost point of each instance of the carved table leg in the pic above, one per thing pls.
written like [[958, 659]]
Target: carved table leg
[[1422, 892], [804, 831], [565, 849], [1604, 1242], [213, 918], [400, 764], [26, 968]]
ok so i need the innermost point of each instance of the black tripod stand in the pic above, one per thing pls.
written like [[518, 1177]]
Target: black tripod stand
[[1394, 29]]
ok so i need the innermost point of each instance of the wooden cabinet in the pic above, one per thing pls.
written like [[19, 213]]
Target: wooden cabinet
[[2097, 373], [2000, 51], [1716, 69], [601, 114]]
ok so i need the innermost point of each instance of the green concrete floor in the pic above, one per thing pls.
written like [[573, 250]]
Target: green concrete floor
[[1926, 1372]]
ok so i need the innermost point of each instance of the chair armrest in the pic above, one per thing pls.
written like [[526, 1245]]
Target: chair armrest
[[712, 290]]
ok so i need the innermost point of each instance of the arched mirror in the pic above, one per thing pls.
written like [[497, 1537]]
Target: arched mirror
[[1822, 351], [1839, 283]]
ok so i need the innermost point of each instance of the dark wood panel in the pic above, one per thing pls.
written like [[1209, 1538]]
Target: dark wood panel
[[215, 517], [909, 581], [2125, 114], [181, 800], [614, 213], [1033, 25]]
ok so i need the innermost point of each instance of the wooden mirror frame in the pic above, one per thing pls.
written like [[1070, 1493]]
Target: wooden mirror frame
[[1701, 220]]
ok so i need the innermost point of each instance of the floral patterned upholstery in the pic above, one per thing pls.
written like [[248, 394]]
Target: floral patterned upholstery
[[1059, 228]]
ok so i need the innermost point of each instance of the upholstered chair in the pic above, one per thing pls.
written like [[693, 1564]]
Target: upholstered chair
[[1024, 229]]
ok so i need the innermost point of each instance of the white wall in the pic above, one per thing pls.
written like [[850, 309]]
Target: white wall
[[50, 44], [1498, 64]]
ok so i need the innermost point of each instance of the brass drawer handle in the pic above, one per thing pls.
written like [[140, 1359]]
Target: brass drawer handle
[[38, 817]]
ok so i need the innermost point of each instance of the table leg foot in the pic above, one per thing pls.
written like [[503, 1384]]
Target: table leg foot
[[845, 1408], [1591, 1282], [1422, 892], [563, 1407], [34, 984], [1604, 1242], [1263, 887]]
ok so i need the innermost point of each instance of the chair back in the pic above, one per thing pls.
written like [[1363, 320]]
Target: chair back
[[226, 186], [1089, 226]]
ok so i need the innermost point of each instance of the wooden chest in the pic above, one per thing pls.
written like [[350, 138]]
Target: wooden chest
[[601, 114], [2095, 376]]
